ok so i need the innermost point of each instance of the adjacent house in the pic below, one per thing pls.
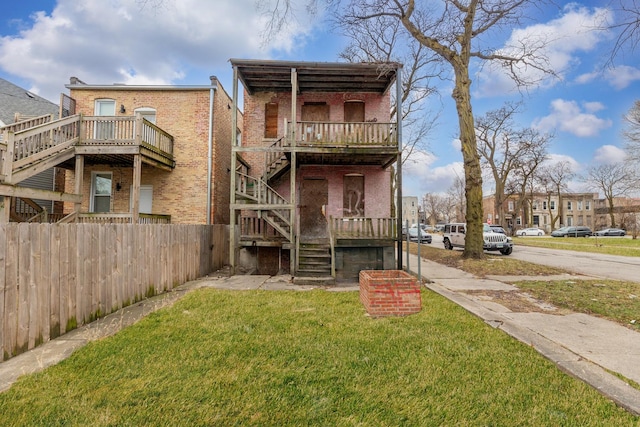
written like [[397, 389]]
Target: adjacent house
[[547, 211], [314, 191], [18, 109], [134, 153], [410, 211]]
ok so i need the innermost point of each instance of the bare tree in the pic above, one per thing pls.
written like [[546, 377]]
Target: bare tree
[[436, 207], [379, 40], [512, 155], [553, 179], [632, 133], [457, 200], [457, 33], [613, 180], [628, 27]]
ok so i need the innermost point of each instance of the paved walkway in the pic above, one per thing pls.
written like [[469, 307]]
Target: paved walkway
[[583, 346]]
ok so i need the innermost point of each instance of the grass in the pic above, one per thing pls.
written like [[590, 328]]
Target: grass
[[611, 299], [305, 358], [602, 245], [615, 300], [499, 265]]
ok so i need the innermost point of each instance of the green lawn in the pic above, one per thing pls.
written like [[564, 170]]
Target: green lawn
[[603, 245], [305, 358]]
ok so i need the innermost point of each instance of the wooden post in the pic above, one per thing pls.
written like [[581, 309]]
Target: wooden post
[[233, 250], [293, 231], [137, 171], [78, 182]]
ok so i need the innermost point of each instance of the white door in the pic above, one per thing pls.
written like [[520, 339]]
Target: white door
[[146, 199]]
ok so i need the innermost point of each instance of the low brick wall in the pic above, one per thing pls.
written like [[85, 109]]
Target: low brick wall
[[389, 293]]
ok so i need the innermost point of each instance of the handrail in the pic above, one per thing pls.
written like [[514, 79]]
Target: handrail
[[272, 157], [362, 228], [260, 190], [346, 133], [332, 247]]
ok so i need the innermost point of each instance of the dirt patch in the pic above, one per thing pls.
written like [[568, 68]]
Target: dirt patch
[[517, 301]]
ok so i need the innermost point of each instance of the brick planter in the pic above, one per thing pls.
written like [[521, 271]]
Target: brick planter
[[389, 293]]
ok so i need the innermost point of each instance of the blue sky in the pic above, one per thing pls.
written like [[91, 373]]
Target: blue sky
[[43, 43]]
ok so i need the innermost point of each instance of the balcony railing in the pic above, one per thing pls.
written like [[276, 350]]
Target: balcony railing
[[366, 134], [122, 218], [363, 228], [116, 130]]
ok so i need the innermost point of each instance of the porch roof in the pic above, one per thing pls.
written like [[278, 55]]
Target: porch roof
[[275, 76]]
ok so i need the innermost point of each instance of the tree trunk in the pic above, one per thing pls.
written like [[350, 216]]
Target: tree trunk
[[611, 212], [472, 170]]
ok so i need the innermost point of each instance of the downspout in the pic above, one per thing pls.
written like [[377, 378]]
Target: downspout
[[399, 167], [212, 92]]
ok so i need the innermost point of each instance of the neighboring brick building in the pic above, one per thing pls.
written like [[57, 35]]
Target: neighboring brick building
[[180, 191], [546, 211], [312, 194]]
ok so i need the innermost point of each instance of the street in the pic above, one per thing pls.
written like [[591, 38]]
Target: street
[[590, 264]]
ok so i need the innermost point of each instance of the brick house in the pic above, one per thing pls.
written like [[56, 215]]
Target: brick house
[[547, 211], [313, 191], [153, 154]]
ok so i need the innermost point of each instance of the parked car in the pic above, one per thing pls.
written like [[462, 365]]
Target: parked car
[[610, 232], [578, 231], [454, 238], [498, 229], [532, 231], [417, 234]]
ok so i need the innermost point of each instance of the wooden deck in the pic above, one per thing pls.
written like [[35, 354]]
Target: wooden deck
[[26, 152]]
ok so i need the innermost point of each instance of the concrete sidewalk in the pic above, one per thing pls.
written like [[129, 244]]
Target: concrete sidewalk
[[586, 347], [583, 346]]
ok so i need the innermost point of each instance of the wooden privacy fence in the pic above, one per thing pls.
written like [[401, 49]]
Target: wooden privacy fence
[[55, 277]]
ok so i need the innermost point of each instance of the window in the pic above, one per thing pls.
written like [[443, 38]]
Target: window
[[105, 129], [587, 205], [518, 221], [569, 205], [544, 205], [552, 205], [510, 204], [147, 113], [353, 196], [569, 220], [535, 205], [100, 192], [579, 203], [270, 120]]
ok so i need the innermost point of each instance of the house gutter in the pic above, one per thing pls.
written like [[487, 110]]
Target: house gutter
[[212, 93]]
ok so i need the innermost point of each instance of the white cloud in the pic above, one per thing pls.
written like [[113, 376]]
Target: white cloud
[[560, 41], [419, 176], [110, 41], [622, 76], [568, 116], [609, 154]]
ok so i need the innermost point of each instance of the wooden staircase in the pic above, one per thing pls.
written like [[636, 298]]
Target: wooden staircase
[[271, 206], [314, 258]]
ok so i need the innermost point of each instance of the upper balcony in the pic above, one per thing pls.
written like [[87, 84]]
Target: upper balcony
[[102, 140]]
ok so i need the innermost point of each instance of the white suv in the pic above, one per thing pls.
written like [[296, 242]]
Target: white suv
[[454, 238]]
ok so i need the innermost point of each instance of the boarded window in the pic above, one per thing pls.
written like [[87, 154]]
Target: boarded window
[[353, 196], [315, 112], [271, 120], [354, 112]]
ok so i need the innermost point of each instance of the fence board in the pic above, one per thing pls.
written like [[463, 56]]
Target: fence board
[[3, 246], [55, 277]]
